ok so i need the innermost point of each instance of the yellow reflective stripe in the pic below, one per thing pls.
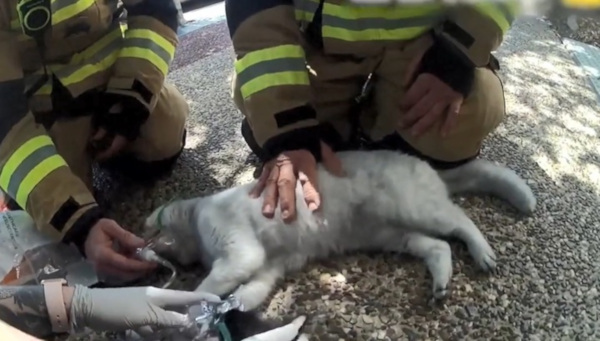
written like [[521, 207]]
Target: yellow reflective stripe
[[354, 12], [96, 58], [277, 52], [28, 166], [305, 9], [372, 23], [45, 90], [274, 79], [494, 12], [137, 52], [67, 12], [152, 36], [89, 69], [99, 45], [149, 45], [61, 11], [373, 34], [41, 171], [303, 15]]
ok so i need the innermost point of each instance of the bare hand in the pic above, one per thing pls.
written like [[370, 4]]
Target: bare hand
[[106, 146], [428, 100], [100, 251], [279, 178]]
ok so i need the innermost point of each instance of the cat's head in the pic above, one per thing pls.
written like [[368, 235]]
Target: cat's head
[[172, 232]]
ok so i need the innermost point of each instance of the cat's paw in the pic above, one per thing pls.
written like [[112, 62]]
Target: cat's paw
[[440, 291], [484, 256]]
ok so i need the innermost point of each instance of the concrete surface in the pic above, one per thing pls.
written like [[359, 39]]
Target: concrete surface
[[546, 286]]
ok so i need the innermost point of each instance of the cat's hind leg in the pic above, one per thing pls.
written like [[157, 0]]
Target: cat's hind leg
[[436, 254], [234, 268], [253, 293], [449, 220]]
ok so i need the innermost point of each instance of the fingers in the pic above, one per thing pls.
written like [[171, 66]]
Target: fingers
[[261, 183], [100, 134], [286, 184], [271, 194], [418, 110], [331, 162], [177, 298], [118, 143], [309, 180], [124, 237], [451, 117], [413, 66], [286, 333], [428, 119], [416, 92], [119, 263], [167, 319]]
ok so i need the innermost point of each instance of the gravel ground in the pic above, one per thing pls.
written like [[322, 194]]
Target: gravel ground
[[546, 286], [584, 27]]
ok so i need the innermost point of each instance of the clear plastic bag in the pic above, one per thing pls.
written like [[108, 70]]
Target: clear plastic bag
[[28, 256], [206, 324]]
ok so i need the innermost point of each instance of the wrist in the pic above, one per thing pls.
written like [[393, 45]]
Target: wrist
[[68, 298], [80, 229], [307, 138]]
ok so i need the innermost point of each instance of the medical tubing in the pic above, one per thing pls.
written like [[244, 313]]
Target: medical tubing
[[147, 254]]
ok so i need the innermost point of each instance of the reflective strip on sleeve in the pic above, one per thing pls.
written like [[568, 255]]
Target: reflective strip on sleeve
[[149, 45], [305, 9], [95, 59], [374, 23], [28, 166], [275, 66]]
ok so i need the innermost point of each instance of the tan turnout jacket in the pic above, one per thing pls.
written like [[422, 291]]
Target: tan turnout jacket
[[85, 47]]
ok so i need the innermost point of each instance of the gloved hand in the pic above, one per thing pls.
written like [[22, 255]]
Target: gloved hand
[[289, 332], [118, 309]]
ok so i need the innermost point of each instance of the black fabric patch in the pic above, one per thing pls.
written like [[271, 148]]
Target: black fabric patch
[[78, 233], [449, 68], [308, 138], [314, 31], [142, 90], [64, 213], [13, 105], [237, 11], [456, 32], [81, 27], [161, 10], [244, 324], [295, 115]]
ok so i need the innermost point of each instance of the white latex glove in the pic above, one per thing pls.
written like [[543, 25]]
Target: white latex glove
[[285, 333], [118, 309]]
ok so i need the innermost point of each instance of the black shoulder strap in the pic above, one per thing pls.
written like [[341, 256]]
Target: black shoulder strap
[[314, 30]]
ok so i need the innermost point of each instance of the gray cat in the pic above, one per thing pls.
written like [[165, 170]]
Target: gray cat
[[387, 202]]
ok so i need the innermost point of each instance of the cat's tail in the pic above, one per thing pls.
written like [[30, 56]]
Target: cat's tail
[[481, 176]]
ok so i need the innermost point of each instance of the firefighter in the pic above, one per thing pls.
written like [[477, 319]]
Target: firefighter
[[317, 76], [80, 84]]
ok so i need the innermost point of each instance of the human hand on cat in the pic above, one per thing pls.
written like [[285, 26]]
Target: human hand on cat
[[279, 176]]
